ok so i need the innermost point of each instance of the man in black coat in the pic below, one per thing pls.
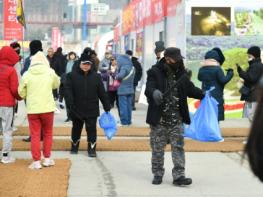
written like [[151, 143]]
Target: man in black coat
[[167, 89], [251, 77], [138, 74], [59, 64], [83, 91]]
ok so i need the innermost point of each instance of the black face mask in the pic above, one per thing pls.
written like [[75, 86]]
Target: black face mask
[[251, 61], [174, 66]]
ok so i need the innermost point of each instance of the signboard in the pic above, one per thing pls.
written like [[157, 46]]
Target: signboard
[[13, 30], [100, 9], [213, 21], [139, 44], [80, 2]]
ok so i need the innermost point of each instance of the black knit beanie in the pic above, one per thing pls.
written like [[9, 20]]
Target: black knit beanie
[[173, 53], [212, 55], [255, 51], [221, 59], [35, 46], [159, 47], [129, 52]]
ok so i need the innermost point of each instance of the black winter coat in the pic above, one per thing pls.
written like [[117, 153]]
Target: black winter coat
[[157, 79], [83, 92], [138, 70], [59, 63], [251, 78]]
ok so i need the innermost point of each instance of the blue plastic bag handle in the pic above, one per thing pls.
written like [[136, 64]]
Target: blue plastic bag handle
[[207, 92]]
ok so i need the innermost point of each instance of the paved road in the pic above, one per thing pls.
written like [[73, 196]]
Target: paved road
[[128, 174]]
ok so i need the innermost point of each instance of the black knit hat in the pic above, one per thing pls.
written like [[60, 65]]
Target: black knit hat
[[15, 45], [255, 51], [159, 46], [129, 52], [87, 51], [173, 53], [85, 58], [212, 55], [35, 46], [222, 58]]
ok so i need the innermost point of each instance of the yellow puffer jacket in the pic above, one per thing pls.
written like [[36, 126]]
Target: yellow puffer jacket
[[37, 84]]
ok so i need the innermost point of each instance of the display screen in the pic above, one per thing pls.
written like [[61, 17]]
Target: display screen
[[214, 21]]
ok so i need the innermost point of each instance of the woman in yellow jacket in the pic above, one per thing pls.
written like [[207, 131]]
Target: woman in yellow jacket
[[36, 87]]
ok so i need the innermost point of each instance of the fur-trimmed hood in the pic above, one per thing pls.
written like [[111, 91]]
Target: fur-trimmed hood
[[210, 62]]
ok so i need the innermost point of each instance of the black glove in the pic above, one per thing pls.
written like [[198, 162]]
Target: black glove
[[157, 97], [238, 68], [107, 109], [229, 70]]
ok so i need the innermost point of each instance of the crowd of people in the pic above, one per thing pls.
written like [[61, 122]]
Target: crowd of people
[[82, 82], [76, 83]]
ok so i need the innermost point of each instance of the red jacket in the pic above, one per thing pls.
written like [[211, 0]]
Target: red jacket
[[8, 77]]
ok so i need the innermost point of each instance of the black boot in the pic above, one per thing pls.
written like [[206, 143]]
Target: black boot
[[181, 181], [157, 180], [74, 147], [67, 120], [28, 139], [92, 149]]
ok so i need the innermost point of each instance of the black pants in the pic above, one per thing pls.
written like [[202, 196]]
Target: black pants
[[61, 93], [113, 97], [134, 95], [91, 129], [55, 94]]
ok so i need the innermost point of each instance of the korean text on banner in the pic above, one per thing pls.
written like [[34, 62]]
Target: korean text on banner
[[12, 28]]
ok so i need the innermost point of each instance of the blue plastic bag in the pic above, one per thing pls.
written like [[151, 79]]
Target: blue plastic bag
[[108, 123], [204, 124]]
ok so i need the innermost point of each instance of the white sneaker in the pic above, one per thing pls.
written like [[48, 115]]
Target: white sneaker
[[8, 159], [48, 162], [35, 165], [57, 111], [14, 129], [123, 125]]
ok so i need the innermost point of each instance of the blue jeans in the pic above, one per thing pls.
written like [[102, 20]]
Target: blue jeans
[[125, 108]]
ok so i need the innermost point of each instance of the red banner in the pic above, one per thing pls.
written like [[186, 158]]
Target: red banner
[[171, 7], [158, 10], [140, 13], [12, 29], [57, 38], [138, 19], [127, 19], [147, 12], [143, 13]]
